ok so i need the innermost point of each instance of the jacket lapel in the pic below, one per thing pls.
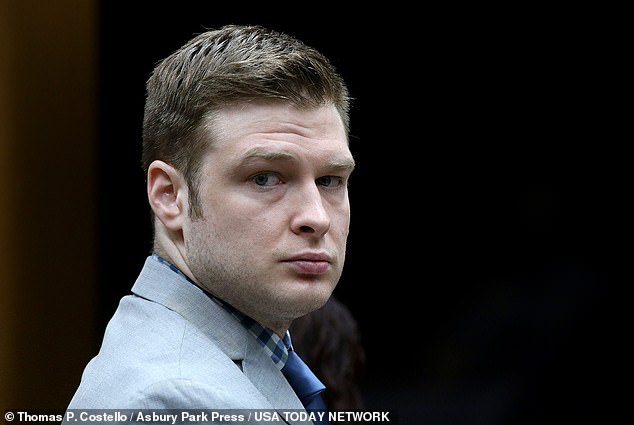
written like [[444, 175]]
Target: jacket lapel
[[159, 284]]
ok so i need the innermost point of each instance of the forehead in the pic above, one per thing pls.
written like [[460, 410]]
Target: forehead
[[249, 136], [244, 124]]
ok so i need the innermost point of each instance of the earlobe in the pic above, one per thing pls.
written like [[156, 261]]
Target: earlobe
[[166, 194]]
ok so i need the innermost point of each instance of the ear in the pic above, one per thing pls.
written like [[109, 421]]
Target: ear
[[167, 194]]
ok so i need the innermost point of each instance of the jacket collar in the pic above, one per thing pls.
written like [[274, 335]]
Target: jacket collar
[[160, 284]]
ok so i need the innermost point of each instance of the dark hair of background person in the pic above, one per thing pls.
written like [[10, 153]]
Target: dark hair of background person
[[329, 341]]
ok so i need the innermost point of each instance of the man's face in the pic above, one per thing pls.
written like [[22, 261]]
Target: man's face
[[273, 191]]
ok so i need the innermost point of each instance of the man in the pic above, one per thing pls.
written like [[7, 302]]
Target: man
[[245, 149]]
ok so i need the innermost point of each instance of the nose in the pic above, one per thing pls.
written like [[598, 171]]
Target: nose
[[311, 216]]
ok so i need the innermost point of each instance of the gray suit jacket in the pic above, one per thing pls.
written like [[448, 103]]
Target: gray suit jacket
[[169, 346]]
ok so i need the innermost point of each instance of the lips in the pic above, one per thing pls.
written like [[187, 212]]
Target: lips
[[310, 263], [311, 256]]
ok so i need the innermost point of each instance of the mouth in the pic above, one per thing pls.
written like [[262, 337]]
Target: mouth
[[310, 263]]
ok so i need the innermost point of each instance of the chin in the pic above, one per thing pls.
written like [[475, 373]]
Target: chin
[[314, 303], [307, 298]]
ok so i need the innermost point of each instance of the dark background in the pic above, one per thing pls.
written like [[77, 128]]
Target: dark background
[[480, 250]]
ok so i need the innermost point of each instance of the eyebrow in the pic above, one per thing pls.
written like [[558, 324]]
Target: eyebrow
[[258, 152]]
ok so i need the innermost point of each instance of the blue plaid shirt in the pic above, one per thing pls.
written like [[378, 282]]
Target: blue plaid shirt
[[275, 346]]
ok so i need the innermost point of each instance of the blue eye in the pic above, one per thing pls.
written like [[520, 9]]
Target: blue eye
[[266, 179], [330, 181]]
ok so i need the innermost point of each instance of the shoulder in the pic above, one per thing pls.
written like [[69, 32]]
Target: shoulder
[[152, 356]]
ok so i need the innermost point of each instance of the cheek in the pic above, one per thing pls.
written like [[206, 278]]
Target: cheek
[[341, 221], [249, 229]]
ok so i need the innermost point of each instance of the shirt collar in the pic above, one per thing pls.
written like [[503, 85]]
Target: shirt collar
[[277, 348]]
